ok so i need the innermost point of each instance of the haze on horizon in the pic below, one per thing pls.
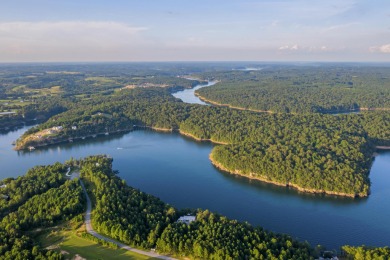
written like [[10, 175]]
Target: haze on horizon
[[173, 30]]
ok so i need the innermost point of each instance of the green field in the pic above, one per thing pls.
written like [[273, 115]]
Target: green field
[[54, 90], [102, 80], [70, 244]]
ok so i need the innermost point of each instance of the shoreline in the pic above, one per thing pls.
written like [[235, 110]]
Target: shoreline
[[158, 129], [287, 185], [215, 103], [230, 106], [200, 139], [382, 147], [213, 161], [374, 109], [67, 139]]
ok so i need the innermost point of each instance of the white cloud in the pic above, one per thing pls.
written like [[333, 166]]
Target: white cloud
[[294, 47], [56, 40], [284, 47], [383, 48]]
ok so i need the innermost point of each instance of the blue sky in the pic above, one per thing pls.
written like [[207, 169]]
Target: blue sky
[[160, 30]]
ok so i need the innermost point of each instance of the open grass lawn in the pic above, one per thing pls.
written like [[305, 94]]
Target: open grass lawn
[[102, 80], [13, 102], [67, 242], [54, 90], [89, 250]]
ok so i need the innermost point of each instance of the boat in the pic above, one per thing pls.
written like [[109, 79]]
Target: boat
[[31, 148]]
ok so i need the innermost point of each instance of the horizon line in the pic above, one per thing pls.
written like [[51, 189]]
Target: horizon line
[[186, 61]]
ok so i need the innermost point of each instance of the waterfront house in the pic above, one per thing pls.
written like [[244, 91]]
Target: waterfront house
[[186, 219]]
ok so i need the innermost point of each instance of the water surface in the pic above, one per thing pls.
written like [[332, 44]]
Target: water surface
[[188, 95], [177, 170]]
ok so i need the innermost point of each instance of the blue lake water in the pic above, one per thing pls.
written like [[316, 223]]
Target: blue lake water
[[188, 96], [177, 170]]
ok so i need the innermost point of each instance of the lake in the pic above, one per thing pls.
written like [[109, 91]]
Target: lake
[[177, 170], [188, 96]]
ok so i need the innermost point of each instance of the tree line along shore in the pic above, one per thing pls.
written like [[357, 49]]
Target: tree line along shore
[[45, 198], [312, 152]]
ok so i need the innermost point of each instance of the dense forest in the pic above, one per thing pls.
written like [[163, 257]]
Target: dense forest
[[137, 219], [36, 181], [313, 152], [142, 220], [366, 253], [304, 89], [33, 93], [300, 146], [131, 216], [40, 199]]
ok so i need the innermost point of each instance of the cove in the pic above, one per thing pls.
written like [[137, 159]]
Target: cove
[[177, 170]]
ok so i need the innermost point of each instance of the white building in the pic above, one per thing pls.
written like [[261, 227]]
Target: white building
[[186, 219]]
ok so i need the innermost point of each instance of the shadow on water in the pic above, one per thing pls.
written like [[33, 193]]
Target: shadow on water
[[176, 168], [288, 192], [276, 191], [68, 146], [279, 191]]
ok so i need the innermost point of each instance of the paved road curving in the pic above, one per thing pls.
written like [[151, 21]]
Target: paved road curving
[[95, 234]]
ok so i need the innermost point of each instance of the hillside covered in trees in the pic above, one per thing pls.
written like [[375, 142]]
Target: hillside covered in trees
[[303, 89], [30, 94], [300, 145], [135, 218], [40, 199], [128, 215], [312, 152]]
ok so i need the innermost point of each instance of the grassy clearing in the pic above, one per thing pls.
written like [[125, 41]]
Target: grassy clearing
[[64, 72], [14, 105], [89, 250], [55, 90], [67, 242], [102, 80]]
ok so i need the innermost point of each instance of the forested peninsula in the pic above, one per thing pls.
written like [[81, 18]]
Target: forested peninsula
[[45, 198], [311, 89], [298, 146], [312, 152]]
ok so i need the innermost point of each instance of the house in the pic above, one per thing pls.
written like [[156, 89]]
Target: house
[[74, 127], [103, 115], [3, 186], [186, 219]]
